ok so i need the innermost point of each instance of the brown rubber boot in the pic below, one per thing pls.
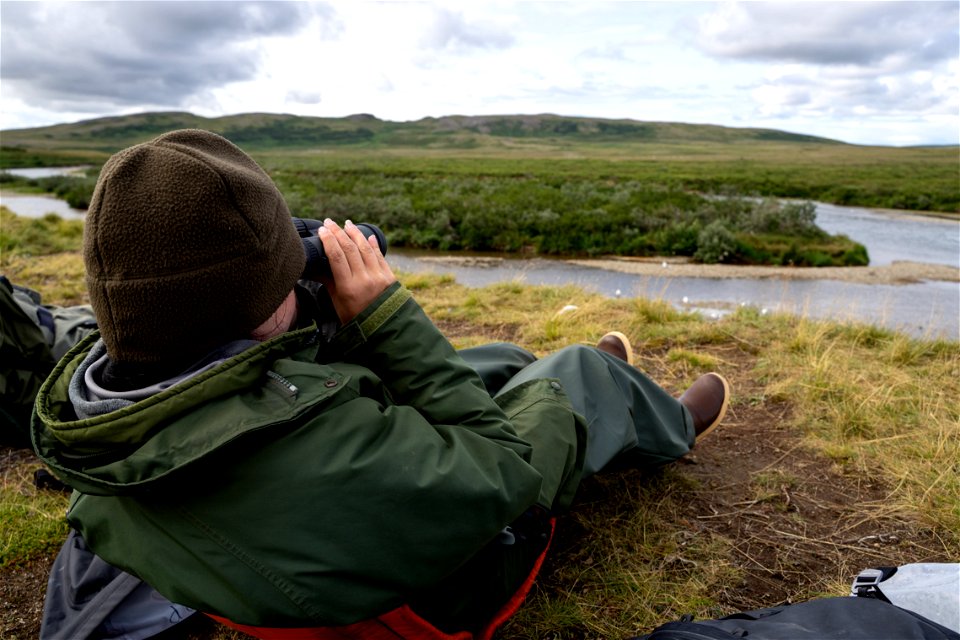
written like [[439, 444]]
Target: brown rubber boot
[[617, 345], [707, 400]]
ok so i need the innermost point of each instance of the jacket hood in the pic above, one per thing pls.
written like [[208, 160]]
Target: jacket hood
[[131, 449]]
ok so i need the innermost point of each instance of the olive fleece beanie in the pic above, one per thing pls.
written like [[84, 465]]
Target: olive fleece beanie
[[188, 245]]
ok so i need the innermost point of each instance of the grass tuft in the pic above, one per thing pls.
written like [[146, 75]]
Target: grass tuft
[[877, 399], [21, 236], [32, 523], [694, 361]]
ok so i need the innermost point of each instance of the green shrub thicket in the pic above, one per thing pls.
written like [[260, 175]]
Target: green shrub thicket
[[76, 190], [18, 157], [566, 215]]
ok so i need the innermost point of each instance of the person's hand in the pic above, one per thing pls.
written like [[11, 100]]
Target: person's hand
[[359, 272]]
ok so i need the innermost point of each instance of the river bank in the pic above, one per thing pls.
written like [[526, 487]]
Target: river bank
[[900, 272], [918, 299]]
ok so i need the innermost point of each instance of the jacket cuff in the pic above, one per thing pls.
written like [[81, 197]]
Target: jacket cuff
[[355, 333]]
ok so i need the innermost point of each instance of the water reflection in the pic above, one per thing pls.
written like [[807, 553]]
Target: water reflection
[[890, 235], [927, 309], [39, 206], [34, 173]]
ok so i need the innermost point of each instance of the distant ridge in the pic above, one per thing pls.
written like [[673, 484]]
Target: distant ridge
[[697, 158], [264, 130], [550, 125]]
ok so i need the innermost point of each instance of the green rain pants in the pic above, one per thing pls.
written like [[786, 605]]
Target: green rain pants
[[631, 420]]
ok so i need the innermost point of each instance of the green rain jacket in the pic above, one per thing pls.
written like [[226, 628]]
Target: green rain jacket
[[311, 483]]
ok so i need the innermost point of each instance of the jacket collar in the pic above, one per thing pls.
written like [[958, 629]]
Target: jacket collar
[[161, 432]]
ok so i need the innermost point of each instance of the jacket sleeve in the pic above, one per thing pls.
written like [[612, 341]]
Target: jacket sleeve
[[395, 339], [380, 475]]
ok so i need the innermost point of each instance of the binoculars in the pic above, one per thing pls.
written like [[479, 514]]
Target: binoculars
[[317, 262]]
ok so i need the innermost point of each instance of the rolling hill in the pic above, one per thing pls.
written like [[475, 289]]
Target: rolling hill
[[698, 158], [270, 131]]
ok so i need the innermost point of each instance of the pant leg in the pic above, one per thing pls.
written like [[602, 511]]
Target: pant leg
[[557, 435], [497, 363], [630, 418]]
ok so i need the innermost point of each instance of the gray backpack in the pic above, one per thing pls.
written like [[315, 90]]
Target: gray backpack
[[90, 599], [33, 336]]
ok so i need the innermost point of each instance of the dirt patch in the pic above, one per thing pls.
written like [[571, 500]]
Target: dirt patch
[[798, 524], [21, 599], [896, 273], [22, 587]]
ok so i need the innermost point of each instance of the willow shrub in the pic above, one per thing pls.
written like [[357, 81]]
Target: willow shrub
[[75, 189], [563, 215]]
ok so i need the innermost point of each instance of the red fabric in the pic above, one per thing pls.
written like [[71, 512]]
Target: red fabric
[[400, 624]]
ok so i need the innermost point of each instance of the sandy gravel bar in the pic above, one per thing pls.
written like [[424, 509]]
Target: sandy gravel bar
[[896, 273]]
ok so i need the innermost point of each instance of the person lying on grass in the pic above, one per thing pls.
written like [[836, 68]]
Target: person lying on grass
[[279, 454]]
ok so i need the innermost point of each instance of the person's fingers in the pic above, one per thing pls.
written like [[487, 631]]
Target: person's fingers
[[347, 244], [367, 254], [382, 265], [333, 250]]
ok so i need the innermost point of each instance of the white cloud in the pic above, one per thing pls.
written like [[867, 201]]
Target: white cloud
[[94, 54], [843, 61], [451, 31], [846, 70], [889, 34], [303, 97]]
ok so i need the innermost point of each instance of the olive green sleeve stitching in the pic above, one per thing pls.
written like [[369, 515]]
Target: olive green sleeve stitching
[[384, 311]]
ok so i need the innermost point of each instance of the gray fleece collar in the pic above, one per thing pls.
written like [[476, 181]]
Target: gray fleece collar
[[90, 399]]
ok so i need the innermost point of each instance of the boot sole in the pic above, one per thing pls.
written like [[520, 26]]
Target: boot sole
[[625, 341], [723, 409]]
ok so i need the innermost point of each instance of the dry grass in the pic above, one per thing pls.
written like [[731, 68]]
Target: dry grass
[[870, 399], [880, 398], [31, 521], [42, 253]]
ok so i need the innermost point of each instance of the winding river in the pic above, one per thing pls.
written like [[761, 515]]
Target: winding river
[[929, 309], [925, 309]]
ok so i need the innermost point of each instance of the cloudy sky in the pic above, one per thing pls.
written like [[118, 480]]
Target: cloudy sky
[[869, 73]]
